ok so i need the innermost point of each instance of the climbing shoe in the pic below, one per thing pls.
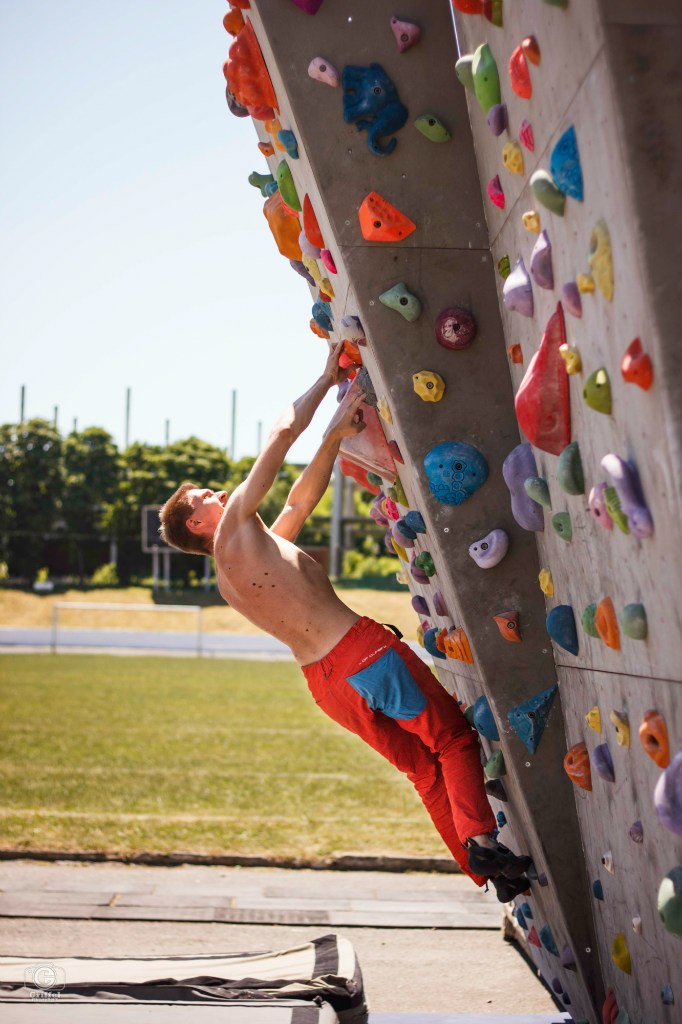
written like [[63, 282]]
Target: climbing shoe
[[507, 888], [492, 861]]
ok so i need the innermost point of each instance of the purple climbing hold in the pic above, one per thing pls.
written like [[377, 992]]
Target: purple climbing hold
[[420, 605], [626, 480], [405, 528], [541, 262], [556, 985], [342, 388], [517, 291], [455, 328], [307, 248], [439, 606], [401, 538], [418, 573], [568, 959], [495, 787], [377, 513], [636, 832], [516, 468], [570, 296], [233, 104], [300, 269], [497, 118], [406, 33], [603, 762], [309, 6], [668, 796]]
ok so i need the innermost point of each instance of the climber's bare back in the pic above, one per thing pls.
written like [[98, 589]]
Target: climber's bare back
[[278, 588]]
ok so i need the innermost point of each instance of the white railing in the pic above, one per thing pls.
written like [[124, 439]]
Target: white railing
[[196, 610]]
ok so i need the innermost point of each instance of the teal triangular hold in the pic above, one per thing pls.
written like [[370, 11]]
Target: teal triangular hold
[[547, 940], [528, 720]]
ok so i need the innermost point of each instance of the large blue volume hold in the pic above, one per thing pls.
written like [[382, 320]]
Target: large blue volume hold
[[454, 471], [528, 720], [562, 629], [484, 721], [564, 165]]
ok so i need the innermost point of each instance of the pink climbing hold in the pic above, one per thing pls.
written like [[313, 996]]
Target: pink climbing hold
[[526, 136], [543, 400], [309, 6], [406, 33], [495, 192], [328, 260]]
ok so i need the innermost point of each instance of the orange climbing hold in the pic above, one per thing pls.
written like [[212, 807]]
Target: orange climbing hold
[[508, 625], [233, 21], [247, 76], [319, 331], [515, 353], [609, 1010], [310, 225], [285, 227], [441, 639], [653, 734], [636, 366], [530, 47], [606, 624], [468, 6], [266, 148], [380, 221], [273, 127], [519, 75], [244, 5], [352, 352], [577, 766], [457, 645]]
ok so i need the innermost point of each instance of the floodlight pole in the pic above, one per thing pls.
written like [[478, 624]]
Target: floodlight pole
[[167, 433], [22, 403], [233, 427], [335, 527], [127, 430]]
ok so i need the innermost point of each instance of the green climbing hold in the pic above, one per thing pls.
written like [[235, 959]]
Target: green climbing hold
[[557, 3], [495, 767], [504, 267], [670, 901], [597, 391], [633, 621], [494, 13], [469, 714], [464, 71], [612, 506], [261, 181], [375, 480], [536, 488], [486, 78], [546, 192], [569, 470], [432, 128], [397, 493], [402, 301], [425, 561], [561, 524], [287, 189], [588, 622]]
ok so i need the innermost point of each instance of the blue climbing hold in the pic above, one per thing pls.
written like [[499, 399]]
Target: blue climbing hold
[[521, 919], [484, 722], [525, 907], [454, 471], [371, 100], [528, 720], [405, 528], [562, 629], [501, 818], [547, 940], [564, 165], [597, 889], [415, 521], [288, 140], [270, 188], [430, 642], [322, 315]]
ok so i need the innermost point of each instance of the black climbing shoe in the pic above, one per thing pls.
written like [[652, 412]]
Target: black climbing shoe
[[507, 889], [493, 861]]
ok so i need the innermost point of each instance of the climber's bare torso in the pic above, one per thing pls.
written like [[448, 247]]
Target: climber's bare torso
[[279, 588]]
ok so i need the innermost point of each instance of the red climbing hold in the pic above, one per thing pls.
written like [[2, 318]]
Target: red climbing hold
[[543, 400], [609, 1010], [533, 937], [519, 74], [310, 225], [496, 192], [468, 6], [358, 474], [636, 366]]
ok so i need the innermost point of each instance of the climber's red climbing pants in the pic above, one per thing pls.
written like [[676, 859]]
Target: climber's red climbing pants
[[377, 687]]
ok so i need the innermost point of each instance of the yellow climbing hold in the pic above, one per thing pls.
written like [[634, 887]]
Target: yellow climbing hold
[[311, 266], [531, 221], [571, 357], [383, 410], [620, 954], [399, 549], [420, 635], [601, 259], [402, 577], [620, 720], [546, 582], [429, 385], [326, 287], [585, 283], [593, 718], [512, 157]]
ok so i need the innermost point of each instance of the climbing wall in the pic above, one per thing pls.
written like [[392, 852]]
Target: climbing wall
[[476, 232]]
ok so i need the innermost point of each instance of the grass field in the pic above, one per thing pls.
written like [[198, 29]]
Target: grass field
[[173, 755], [19, 608]]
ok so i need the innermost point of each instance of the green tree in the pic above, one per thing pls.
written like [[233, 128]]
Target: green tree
[[31, 483], [93, 471]]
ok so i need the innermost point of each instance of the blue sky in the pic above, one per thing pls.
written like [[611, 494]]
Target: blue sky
[[133, 252]]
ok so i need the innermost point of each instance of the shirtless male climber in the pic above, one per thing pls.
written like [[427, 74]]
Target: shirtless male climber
[[359, 672]]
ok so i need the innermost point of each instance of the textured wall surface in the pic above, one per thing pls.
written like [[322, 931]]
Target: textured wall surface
[[599, 71]]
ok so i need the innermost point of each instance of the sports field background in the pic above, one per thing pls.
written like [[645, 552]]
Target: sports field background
[[210, 756]]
